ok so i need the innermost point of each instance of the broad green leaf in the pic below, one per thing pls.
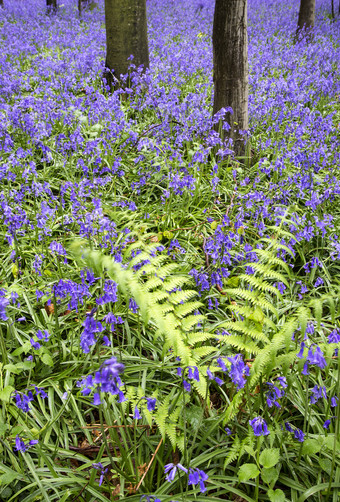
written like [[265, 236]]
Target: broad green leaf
[[311, 446], [248, 471], [276, 495], [269, 475], [269, 457], [47, 359], [5, 393]]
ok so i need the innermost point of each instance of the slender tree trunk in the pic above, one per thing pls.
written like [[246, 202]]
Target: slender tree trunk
[[1, 3], [333, 13], [52, 6], [230, 53], [126, 35], [306, 15]]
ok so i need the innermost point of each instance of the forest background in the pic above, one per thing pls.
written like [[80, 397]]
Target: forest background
[[169, 312]]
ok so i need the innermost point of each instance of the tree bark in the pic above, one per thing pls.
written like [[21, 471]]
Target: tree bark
[[230, 55], [126, 35], [1, 3], [52, 6], [306, 15], [333, 13]]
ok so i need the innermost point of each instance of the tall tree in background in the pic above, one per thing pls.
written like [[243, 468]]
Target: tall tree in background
[[126, 35], [51, 6], [1, 3], [306, 15], [230, 54]]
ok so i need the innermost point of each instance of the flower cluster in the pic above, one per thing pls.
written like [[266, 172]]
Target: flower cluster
[[106, 380]]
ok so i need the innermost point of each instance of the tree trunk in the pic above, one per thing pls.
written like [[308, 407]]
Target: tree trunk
[[333, 13], [306, 15], [51, 6], [126, 35], [230, 53], [1, 3]]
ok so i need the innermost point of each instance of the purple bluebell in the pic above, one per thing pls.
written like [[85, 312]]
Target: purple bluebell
[[259, 426], [197, 476], [318, 393], [151, 403], [99, 466], [171, 469], [238, 371], [21, 446]]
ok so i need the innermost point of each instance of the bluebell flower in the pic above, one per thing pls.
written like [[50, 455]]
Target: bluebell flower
[[4, 302], [238, 371], [21, 446], [171, 469], [316, 357], [136, 414], [22, 401], [334, 401], [35, 345], [259, 426], [197, 476], [334, 336], [151, 403], [96, 399], [289, 427], [299, 435], [221, 364], [318, 393], [228, 431], [99, 466], [186, 386], [326, 424], [193, 373], [302, 347]]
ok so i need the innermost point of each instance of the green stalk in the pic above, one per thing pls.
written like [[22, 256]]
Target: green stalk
[[3, 348], [336, 434]]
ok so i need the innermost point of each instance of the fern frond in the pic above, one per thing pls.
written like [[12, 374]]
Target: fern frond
[[259, 284], [242, 327]]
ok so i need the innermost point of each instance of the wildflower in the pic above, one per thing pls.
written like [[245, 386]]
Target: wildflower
[[289, 428], [299, 435], [221, 364], [171, 469], [35, 345], [334, 401], [318, 393], [316, 357], [326, 424], [197, 476], [99, 466], [22, 401], [4, 302], [275, 393], [193, 373], [334, 336], [133, 306], [318, 282], [259, 426], [151, 403], [21, 446], [136, 414], [300, 353], [186, 386], [238, 371], [96, 399], [228, 431]]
